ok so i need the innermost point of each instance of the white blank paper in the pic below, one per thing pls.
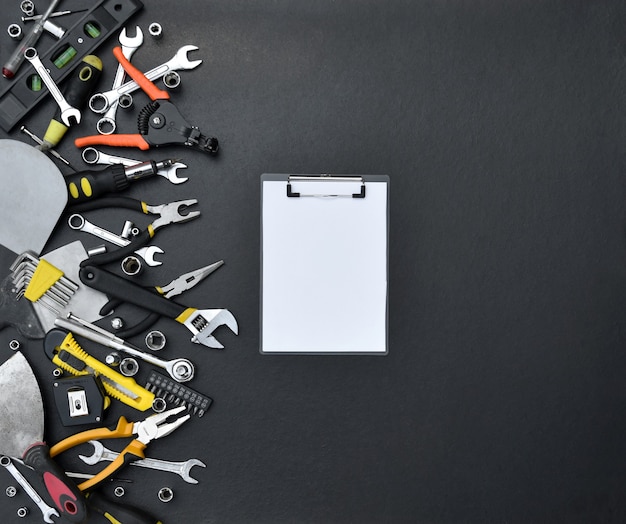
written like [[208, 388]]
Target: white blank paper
[[324, 268]]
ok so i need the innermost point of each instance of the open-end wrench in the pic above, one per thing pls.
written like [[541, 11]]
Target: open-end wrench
[[107, 125], [47, 511], [101, 453], [68, 112], [93, 156], [80, 223], [100, 102]]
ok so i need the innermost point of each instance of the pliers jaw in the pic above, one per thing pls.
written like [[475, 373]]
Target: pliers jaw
[[161, 123], [155, 426]]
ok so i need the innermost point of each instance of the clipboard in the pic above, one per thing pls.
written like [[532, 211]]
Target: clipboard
[[324, 264]]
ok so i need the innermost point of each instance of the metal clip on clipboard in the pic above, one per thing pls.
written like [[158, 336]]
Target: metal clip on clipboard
[[324, 178]]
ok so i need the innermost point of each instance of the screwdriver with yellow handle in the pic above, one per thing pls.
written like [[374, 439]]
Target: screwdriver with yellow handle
[[91, 183], [77, 91]]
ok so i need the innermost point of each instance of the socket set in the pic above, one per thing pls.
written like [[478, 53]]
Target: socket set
[[179, 394]]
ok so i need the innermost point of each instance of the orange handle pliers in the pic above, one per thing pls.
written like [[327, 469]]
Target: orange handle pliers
[[160, 123], [153, 427]]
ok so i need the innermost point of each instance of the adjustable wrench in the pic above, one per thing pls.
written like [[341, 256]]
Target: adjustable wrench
[[107, 125], [47, 511], [100, 102], [80, 223], [101, 453], [92, 156], [68, 112]]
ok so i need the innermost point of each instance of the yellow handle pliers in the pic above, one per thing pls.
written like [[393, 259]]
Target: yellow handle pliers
[[153, 427]]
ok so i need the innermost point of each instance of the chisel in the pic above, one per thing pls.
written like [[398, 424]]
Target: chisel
[[90, 184]]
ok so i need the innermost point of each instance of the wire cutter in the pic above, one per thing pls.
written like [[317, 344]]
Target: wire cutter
[[170, 213], [152, 428], [159, 122]]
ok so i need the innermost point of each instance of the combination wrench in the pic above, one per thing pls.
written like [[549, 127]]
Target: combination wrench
[[100, 102], [107, 124], [101, 453], [47, 511], [68, 112], [80, 223], [93, 156]]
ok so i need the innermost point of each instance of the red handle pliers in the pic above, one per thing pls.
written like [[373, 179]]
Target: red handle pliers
[[159, 122]]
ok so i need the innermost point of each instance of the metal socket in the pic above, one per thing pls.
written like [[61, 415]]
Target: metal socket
[[131, 266], [155, 340], [155, 30], [15, 31], [129, 367], [27, 7], [171, 80], [166, 494]]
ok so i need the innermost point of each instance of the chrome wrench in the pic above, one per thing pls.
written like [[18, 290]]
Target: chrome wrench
[[68, 112], [100, 102], [107, 125], [93, 156], [101, 453], [47, 511], [80, 223]]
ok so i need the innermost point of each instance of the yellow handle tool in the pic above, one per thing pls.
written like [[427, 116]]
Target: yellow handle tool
[[65, 352]]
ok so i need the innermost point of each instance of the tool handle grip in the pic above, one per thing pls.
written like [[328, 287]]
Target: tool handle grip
[[63, 492], [142, 80], [116, 286], [120, 512], [90, 184], [76, 92], [115, 140], [132, 452]]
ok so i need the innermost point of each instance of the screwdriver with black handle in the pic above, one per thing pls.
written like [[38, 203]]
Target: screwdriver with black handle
[[91, 183]]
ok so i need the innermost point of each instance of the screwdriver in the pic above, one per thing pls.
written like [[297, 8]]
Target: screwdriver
[[16, 59], [90, 184]]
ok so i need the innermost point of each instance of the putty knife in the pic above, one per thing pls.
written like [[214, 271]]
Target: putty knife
[[33, 197], [21, 435]]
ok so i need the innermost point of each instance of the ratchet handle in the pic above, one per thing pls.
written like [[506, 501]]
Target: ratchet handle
[[63, 492], [89, 184], [115, 140], [118, 287], [142, 80]]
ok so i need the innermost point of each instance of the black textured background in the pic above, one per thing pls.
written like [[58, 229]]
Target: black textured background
[[500, 124]]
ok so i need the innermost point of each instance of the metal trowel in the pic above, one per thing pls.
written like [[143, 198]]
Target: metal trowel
[[33, 197], [21, 435]]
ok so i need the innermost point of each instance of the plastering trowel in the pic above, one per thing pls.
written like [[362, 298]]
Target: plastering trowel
[[32, 199], [21, 435]]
